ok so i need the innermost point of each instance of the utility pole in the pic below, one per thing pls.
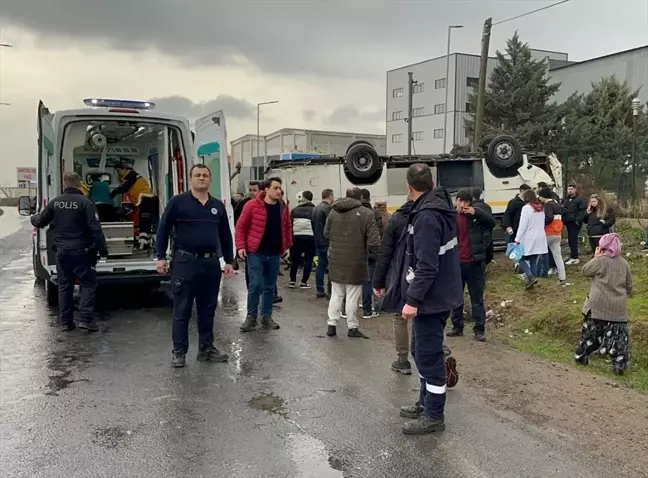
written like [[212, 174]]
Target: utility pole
[[445, 108], [259, 105], [410, 97], [481, 91]]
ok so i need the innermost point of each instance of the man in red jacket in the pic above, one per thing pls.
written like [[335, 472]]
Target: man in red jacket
[[263, 234]]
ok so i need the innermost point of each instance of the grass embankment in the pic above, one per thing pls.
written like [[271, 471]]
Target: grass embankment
[[546, 321]]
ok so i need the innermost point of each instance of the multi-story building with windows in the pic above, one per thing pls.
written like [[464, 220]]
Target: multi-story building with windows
[[429, 93], [429, 107]]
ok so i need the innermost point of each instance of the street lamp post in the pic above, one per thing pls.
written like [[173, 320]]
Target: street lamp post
[[4, 45], [636, 106], [445, 114], [258, 116]]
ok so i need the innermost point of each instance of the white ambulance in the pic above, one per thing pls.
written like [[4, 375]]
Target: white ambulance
[[92, 141]]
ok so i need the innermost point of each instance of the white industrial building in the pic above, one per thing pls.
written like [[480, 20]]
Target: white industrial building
[[428, 103], [630, 65], [255, 156]]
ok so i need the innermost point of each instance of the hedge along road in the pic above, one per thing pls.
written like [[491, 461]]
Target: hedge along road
[[288, 403]]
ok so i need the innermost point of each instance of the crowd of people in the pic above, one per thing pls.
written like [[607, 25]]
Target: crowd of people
[[535, 220], [414, 264]]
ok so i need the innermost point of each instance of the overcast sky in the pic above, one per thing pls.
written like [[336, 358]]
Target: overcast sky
[[325, 61]]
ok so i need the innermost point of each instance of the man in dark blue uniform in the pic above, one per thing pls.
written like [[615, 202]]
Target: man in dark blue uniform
[[430, 254], [201, 234], [77, 240]]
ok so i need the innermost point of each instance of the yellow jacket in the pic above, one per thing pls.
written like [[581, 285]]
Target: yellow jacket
[[135, 186]]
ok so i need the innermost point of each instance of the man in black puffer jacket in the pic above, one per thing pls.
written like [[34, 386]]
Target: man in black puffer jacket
[[474, 235]]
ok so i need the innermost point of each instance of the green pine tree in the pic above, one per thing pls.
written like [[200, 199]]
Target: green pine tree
[[598, 135], [518, 98]]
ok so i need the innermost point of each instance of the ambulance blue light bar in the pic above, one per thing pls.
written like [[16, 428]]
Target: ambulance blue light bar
[[111, 103]]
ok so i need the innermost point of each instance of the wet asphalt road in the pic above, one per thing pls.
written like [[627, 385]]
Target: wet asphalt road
[[290, 403]]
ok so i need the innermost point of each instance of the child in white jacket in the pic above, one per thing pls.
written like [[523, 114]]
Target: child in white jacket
[[531, 235]]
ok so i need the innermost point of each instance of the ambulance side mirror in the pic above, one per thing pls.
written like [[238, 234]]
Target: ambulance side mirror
[[26, 206]]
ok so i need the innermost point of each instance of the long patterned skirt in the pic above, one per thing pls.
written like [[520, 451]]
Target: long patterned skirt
[[606, 338]]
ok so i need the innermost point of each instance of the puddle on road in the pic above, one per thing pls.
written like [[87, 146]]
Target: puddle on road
[[267, 402], [59, 382], [311, 458]]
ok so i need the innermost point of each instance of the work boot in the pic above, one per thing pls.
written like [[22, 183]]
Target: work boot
[[89, 325], [411, 411], [357, 334], [268, 323], [331, 331], [402, 365], [480, 337], [423, 425], [211, 354], [454, 333], [178, 360], [249, 325]]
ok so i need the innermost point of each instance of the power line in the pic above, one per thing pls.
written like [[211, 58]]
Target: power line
[[532, 12]]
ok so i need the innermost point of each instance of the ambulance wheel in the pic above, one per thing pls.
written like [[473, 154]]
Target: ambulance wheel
[[51, 293], [504, 152], [362, 160]]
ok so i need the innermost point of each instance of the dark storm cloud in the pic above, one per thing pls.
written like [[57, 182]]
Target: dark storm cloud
[[231, 106], [333, 38]]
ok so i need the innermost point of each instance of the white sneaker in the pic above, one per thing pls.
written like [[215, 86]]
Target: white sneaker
[[552, 272], [572, 262]]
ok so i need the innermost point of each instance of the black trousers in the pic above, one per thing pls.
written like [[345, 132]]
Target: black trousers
[[473, 275], [70, 266], [198, 279], [303, 246], [573, 231]]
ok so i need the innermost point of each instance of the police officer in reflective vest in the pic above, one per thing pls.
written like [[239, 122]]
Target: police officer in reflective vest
[[201, 234], [77, 240]]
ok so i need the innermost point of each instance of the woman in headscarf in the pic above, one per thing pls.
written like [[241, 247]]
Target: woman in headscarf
[[605, 311]]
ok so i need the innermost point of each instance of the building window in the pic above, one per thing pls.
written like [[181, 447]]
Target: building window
[[396, 115], [417, 135], [398, 92], [469, 108], [440, 83], [438, 109], [438, 133], [472, 82], [418, 88], [418, 112], [397, 138]]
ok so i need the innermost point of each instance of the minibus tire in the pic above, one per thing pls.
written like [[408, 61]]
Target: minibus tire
[[504, 152], [362, 160]]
